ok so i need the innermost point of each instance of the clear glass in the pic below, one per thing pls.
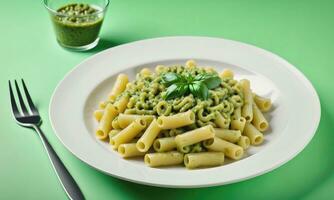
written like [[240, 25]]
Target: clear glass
[[75, 31]]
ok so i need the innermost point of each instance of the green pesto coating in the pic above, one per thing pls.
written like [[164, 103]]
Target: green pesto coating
[[77, 24], [146, 98]]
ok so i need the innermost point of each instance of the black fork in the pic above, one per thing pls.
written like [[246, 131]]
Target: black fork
[[29, 117]]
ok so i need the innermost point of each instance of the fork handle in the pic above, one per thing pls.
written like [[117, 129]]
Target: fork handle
[[68, 183]]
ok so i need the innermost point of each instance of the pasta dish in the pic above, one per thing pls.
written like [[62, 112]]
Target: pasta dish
[[182, 115]]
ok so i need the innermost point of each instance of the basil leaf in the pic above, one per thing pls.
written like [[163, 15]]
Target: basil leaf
[[181, 85], [183, 90], [204, 92], [194, 89], [200, 77], [176, 90], [212, 82], [188, 77], [199, 90], [170, 78], [171, 92]]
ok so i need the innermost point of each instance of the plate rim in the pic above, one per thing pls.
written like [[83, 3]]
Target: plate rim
[[306, 82]]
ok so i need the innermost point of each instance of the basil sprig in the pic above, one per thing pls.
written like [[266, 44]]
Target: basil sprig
[[182, 85]]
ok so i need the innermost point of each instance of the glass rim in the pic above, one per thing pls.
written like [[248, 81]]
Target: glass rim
[[45, 2]]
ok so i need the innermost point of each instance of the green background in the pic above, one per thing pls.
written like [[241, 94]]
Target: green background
[[300, 31]]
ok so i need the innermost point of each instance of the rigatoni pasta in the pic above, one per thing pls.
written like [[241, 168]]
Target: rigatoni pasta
[[182, 115], [163, 159], [254, 135], [238, 124], [146, 140], [228, 135], [112, 133], [231, 150], [105, 123], [259, 121], [204, 159], [227, 73], [98, 114], [164, 144], [121, 103], [129, 150], [194, 136], [221, 121], [127, 134], [244, 142], [247, 109], [119, 87], [145, 72], [264, 104], [236, 114], [114, 124], [176, 121], [125, 119]]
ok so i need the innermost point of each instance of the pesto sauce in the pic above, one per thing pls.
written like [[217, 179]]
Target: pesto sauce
[[77, 24]]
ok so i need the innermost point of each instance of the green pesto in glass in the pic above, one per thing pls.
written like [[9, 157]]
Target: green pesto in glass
[[77, 24]]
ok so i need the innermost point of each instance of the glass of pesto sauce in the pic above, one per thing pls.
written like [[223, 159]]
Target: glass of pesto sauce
[[77, 24]]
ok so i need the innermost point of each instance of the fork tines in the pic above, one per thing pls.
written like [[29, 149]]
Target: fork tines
[[25, 111]]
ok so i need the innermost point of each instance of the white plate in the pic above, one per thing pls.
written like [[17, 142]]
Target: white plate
[[294, 118]]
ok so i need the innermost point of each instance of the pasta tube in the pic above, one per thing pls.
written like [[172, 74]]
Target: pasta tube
[[98, 114], [164, 144], [145, 72], [163, 159], [125, 119], [204, 159], [119, 86], [259, 121], [221, 121], [247, 112], [129, 150], [194, 136], [159, 68], [231, 150], [121, 103], [209, 69], [190, 64], [226, 73], [236, 113], [176, 121], [112, 133], [127, 134], [238, 124], [103, 105], [264, 104], [244, 142], [255, 136], [228, 135], [115, 124], [146, 140], [105, 123], [247, 109]]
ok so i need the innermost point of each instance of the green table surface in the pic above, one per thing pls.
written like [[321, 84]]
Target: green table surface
[[300, 31]]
